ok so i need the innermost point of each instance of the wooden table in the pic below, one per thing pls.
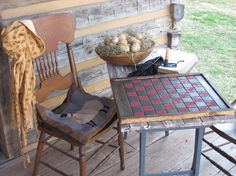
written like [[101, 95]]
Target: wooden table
[[169, 102]]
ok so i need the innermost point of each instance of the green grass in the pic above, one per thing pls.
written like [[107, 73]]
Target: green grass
[[212, 18], [209, 31]]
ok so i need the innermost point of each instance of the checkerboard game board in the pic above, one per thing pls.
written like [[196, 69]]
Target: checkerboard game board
[[162, 96]]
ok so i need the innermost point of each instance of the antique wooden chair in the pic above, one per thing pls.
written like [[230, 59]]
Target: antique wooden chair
[[227, 132], [96, 114]]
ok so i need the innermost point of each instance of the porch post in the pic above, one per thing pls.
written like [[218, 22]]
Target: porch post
[[9, 141]]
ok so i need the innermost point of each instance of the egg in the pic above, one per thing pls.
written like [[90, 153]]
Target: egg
[[135, 47], [131, 39], [107, 40], [123, 41], [125, 47], [115, 40], [139, 36], [122, 36]]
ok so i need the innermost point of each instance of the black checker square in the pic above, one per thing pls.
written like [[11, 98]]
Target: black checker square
[[214, 108], [141, 93], [187, 85], [187, 100], [154, 97], [167, 101], [181, 90], [207, 98], [172, 110], [158, 107], [180, 105], [137, 109], [193, 109], [193, 94], [200, 104], [174, 96], [131, 99], [145, 103]]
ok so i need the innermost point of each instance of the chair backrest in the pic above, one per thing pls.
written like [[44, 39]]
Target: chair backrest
[[54, 29]]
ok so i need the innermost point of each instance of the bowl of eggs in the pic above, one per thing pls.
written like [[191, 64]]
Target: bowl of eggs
[[127, 48]]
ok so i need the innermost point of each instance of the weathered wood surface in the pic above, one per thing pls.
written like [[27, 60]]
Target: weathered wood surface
[[163, 154], [8, 131]]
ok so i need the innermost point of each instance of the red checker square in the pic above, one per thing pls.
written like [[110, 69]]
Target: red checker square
[[160, 112], [190, 104], [147, 83], [190, 89], [136, 81], [158, 87], [203, 108], [190, 77], [211, 103], [169, 106], [139, 88], [184, 95], [132, 94], [196, 84], [138, 113], [165, 82], [183, 110], [128, 85], [172, 91], [173, 78], [143, 97], [148, 108], [176, 100], [197, 99], [134, 104], [184, 81], [203, 93], [151, 92], [178, 86], [156, 79], [165, 96], [156, 101]]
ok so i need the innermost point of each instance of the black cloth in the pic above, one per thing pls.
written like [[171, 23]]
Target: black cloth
[[148, 68]]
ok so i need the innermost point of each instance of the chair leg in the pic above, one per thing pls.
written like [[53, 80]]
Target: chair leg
[[82, 161], [38, 153], [121, 149], [71, 147]]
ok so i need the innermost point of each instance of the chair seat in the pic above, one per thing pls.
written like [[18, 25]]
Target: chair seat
[[81, 116]]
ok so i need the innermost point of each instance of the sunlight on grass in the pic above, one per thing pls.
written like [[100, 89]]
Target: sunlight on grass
[[213, 18], [211, 35]]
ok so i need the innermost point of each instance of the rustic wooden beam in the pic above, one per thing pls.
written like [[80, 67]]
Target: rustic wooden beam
[[9, 140], [45, 7]]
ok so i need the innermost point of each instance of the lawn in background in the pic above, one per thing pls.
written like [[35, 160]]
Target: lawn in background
[[209, 31]]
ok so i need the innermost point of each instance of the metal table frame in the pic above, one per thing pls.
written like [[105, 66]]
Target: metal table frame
[[196, 157]]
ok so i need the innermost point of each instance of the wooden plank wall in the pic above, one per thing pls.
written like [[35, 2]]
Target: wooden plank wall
[[95, 20]]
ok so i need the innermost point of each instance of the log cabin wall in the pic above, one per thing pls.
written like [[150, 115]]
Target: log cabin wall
[[95, 20]]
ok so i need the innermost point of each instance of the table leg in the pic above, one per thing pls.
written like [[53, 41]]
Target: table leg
[[142, 145], [167, 133], [197, 150]]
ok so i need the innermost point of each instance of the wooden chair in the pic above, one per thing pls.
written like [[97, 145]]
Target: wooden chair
[[59, 122], [228, 133]]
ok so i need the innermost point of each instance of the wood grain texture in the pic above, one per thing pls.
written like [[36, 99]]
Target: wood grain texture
[[8, 131], [45, 7], [122, 22], [141, 119]]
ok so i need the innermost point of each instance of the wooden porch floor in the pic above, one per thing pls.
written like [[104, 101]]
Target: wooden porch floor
[[163, 154]]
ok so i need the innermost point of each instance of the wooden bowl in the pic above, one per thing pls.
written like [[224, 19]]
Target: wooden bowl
[[128, 59]]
